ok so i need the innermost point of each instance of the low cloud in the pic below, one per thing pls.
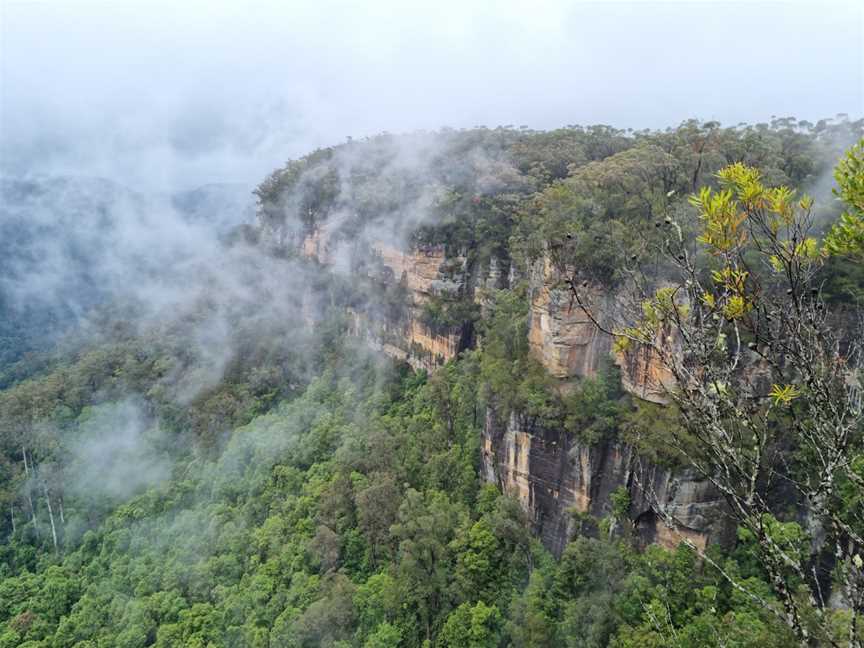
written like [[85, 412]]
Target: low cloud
[[166, 96], [116, 452]]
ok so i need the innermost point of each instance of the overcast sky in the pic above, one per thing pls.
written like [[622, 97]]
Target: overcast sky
[[172, 95]]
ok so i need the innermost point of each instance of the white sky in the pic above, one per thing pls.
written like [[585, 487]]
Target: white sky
[[170, 95]]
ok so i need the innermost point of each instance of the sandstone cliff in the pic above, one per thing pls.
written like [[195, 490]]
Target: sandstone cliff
[[554, 477], [565, 340], [561, 336], [422, 272]]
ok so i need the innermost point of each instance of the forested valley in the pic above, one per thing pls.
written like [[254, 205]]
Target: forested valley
[[304, 428]]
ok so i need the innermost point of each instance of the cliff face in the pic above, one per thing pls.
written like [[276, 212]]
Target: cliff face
[[644, 375], [551, 473], [565, 341], [408, 339], [316, 246], [561, 336], [555, 477], [422, 272]]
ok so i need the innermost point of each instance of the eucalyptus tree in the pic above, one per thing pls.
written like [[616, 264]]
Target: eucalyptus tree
[[766, 382]]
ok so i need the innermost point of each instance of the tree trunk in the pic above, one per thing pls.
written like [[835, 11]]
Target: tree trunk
[[12, 516], [50, 516], [30, 493]]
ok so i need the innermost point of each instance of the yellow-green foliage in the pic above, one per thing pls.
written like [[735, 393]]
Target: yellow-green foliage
[[725, 213], [622, 342], [846, 237], [656, 312], [722, 219], [736, 307], [731, 279], [784, 394]]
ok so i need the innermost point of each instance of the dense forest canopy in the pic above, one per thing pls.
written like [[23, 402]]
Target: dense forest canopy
[[217, 472]]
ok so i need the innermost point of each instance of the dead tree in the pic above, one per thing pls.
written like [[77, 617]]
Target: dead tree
[[50, 515], [28, 488]]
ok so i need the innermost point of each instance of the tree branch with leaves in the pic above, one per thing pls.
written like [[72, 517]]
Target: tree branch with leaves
[[766, 382]]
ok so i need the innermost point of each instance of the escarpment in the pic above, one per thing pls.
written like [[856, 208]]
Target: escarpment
[[422, 251], [557, 479]]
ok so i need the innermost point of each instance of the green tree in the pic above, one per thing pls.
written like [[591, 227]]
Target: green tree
[[472, 626], [426, 526], [846, 238], [384, 636], [757, 305], [479, 563]]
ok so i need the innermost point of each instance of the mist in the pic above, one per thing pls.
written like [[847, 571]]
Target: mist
[[165, 96], [116, 453], [132, 135]]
